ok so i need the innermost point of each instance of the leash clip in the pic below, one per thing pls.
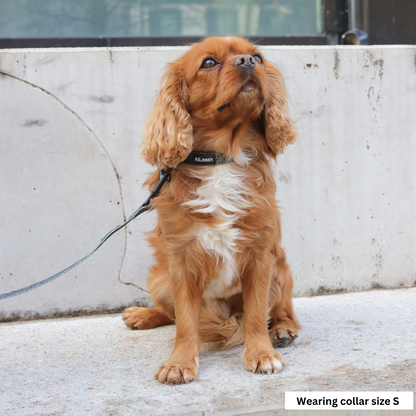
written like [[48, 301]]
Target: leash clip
[[162, 173], [163, 177]]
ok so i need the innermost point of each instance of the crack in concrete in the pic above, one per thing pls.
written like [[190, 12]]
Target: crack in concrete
[[5, 74]]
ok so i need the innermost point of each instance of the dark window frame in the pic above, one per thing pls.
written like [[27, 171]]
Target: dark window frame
[[12, 43]]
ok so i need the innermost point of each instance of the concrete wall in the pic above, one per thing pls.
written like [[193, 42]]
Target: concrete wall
[[70, 128]]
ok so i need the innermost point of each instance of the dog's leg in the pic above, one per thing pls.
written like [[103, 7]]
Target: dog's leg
[[182, 366], [283, 325], [259, 355]]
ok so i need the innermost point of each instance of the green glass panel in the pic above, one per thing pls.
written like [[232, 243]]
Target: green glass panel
[[142, 18]]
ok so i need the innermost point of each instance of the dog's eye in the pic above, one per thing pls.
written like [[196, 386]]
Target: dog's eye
[[209, 63], [258, 58]]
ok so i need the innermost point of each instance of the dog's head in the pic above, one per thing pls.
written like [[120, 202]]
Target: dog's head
[[222, 95]]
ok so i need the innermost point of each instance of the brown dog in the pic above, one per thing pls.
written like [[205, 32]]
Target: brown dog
[[219, 271]]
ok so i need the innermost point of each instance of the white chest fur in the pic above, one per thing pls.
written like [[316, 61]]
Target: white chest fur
[[222, 194]]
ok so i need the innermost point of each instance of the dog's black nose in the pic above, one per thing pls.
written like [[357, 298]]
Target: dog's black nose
[[245, 61]]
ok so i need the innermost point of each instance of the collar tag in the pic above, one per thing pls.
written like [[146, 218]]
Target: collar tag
[[206, 158]]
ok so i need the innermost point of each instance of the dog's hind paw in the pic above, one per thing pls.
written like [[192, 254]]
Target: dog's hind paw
[[282, 337], [144, 318]]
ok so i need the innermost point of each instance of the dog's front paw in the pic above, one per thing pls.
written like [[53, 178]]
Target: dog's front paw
[[264, 362], [174, 373], [282, 337]]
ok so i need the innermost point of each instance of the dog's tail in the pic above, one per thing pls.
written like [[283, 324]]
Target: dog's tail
[[228, 332]]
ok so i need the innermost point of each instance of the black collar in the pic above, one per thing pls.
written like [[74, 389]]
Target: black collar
[[206, 158]]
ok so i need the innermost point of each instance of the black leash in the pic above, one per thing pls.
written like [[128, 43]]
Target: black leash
[[163, 177]]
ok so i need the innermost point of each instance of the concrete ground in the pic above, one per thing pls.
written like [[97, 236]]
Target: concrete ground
[[96, 366]]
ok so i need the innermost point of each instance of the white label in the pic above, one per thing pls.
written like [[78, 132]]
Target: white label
[[357, 400], [203, 159]]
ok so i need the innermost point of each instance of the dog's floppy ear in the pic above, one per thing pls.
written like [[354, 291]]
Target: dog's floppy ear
[[280, 129], [168, 134]]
